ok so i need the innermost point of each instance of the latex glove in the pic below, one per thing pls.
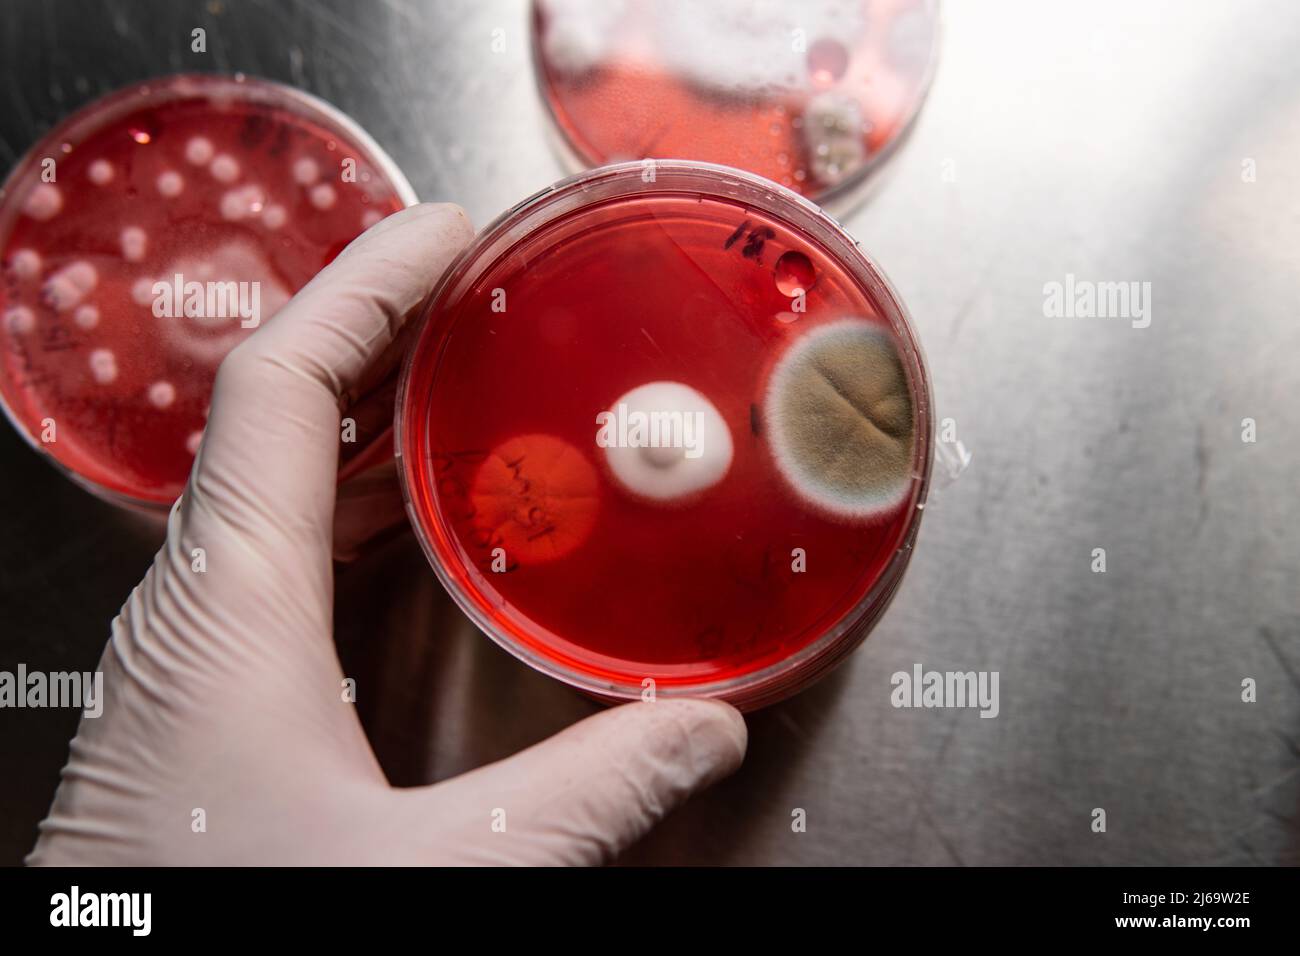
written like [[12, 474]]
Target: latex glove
[[222, 689]]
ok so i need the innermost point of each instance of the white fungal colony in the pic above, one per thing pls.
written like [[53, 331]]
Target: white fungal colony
[[579, 32], [727, 46], [243, 202], [665, 441]]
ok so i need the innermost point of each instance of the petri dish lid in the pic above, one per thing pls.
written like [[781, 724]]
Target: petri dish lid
[[665, 426]]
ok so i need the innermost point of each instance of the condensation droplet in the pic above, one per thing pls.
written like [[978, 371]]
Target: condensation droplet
[[794, 273], [828, 61]]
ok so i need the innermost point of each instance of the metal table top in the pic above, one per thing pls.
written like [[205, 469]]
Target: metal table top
[[1107, 141]]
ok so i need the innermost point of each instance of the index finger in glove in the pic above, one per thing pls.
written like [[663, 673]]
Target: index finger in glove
[[269, 460]]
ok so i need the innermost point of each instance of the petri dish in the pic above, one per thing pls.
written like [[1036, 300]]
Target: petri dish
[[143, 238], [814, 95], [665, 427]]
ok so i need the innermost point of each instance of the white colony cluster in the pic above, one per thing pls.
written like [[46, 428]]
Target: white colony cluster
[[65, 290], [689, 456], [744, 45], [838, 414], [242, 202], [723, 45], [235, 262]]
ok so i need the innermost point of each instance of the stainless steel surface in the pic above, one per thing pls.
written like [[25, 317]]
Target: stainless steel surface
[[1103, 140]]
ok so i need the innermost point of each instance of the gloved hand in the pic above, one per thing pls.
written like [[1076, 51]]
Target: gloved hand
[[222, 690]]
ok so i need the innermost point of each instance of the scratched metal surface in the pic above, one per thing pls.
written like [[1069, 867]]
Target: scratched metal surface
[[1102, 139]]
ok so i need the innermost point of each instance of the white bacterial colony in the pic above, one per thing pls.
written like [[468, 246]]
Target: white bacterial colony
[[101, 172], [170, 184]]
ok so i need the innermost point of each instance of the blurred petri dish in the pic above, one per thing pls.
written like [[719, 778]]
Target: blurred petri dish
[[814, 95], [665, 426], [142, 239]]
